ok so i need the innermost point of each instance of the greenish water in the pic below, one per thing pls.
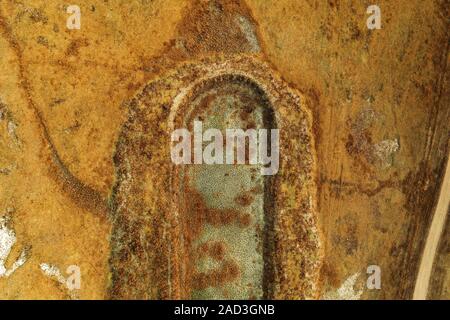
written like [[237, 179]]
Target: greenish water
[[231, 105]]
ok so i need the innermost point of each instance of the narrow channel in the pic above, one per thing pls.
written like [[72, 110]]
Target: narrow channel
[[228, 207]]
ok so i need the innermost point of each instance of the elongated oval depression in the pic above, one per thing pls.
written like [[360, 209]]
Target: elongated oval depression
[[228, 207]]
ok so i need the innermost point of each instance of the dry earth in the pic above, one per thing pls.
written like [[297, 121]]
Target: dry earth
[[379, 99]]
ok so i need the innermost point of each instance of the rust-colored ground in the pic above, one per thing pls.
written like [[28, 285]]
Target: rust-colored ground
[[380, 101]]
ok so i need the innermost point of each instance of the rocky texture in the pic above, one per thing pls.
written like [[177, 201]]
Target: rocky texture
[[153, 227], [379, 98]]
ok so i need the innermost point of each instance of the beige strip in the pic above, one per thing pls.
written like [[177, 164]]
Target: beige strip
[[434, 234]]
